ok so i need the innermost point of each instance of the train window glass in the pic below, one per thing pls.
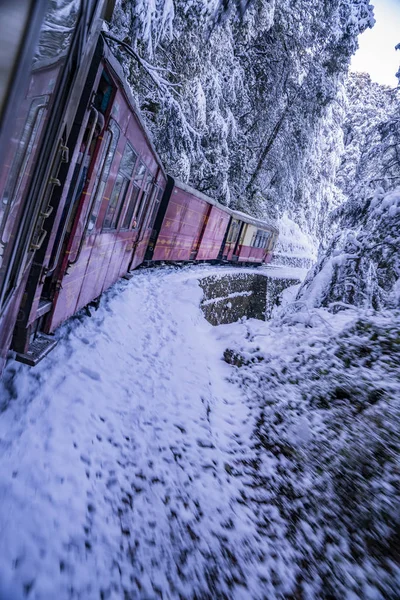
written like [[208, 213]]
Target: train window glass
[[121, 185], [236, 233], [233, 232], [18, 169], [159, 196], [151, 201], [139, 175], [14, 21], [131, 207], [104, 94], [144, 200], [229, 236], [111, 143], [57, 32]]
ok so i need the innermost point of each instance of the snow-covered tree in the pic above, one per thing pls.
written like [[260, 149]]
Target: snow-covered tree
[[237, 94]]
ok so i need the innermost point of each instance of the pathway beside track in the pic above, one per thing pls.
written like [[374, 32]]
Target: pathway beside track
[[119, 455]]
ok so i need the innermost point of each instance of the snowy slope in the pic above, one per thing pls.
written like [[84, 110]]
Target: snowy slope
[[137, 464]]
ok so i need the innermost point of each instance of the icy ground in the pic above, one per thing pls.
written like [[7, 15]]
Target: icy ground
[[136, 463]]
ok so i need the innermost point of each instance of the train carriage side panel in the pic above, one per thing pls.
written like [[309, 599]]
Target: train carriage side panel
[[110, 229], [37, 123], [246, 252], [180, 233], [213, 235], [255, 243]]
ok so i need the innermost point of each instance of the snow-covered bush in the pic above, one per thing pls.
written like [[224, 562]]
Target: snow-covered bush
[[361, 266], [325, 483]]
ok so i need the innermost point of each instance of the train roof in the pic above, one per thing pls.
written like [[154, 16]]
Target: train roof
[[253, 220], [194, 192], [119, 73], [236, 214]]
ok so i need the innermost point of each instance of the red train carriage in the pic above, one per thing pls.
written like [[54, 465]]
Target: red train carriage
[[36, 119], [249, 240], [82, 188], [192, 226], [119, 180], [189, 226]]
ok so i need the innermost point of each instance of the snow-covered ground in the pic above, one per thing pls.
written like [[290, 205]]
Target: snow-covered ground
[[137, 464]]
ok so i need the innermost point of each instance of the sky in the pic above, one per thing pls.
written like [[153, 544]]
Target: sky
[[376, 54]]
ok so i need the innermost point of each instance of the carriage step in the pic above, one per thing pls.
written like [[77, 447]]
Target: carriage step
[[38, 349]]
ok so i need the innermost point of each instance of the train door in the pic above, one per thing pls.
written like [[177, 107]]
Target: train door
[[239, 241], [34, 151], [197, 241], [229, 244], [86, 141], [63, 66]]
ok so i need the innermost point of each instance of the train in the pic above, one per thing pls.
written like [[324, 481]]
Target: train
[[85, 198]]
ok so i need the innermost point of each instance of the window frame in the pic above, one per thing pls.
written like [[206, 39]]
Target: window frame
[[126, 179], [103, 178]]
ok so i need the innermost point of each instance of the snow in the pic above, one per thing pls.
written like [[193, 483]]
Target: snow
[[136, 463], [293, 243]]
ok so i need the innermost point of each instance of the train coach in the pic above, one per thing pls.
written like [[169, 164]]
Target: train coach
[[85, 197], [47, 49], [191, 226]]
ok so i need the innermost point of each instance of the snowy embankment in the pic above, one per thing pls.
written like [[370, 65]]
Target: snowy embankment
[[294, 248], [137, 464]]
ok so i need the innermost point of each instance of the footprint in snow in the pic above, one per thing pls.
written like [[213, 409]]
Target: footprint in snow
[[92, 374], [205, 444]]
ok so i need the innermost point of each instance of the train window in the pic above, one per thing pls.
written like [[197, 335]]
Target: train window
[[139, 175], [58, 30], [134, 205], [121, 185], [15, 19], [152, 219], [19, 165], [111, 143], [144, 200], [233, 232], [104, 94], [131, 206], [147, 212]]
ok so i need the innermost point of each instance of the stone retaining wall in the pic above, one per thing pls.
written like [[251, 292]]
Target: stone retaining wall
[[230, 297]]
